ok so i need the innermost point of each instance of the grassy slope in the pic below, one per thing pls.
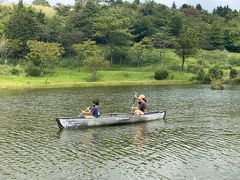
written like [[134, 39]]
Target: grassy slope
[[116, 75], [49, 11]]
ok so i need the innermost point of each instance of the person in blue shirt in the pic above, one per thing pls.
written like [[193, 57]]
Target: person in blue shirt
[[93, 112]]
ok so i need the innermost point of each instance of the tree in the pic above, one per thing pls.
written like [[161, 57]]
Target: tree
[[185, 6], [232, 36], [44, 54], [222, 11], [143, 27], [85, 50], [216, 36], [199, 7], [112, 31], [174, 5], [137, 51], [62, 10], [4, 49], [41, 3], [162, 41], [175, 24], [22, 24], [96, 62], [187, 45]]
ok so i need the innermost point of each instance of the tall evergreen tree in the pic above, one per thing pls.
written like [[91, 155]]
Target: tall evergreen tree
[[41, 3], [174, 5], [199, 7]]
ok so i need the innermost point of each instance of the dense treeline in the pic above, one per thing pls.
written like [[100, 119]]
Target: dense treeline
[[119, 31]]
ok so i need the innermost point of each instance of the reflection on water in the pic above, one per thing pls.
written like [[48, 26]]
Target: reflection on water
[[198, 140]]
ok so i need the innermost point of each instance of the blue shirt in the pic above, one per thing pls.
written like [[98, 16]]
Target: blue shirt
[[95, 112]]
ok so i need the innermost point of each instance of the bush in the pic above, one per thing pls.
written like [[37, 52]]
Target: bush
[[234, 61], [194, 69], [217, 84], [236, 81], [5, 69], [32, 70], [233, 73], [215, 73], [17, 70], [161, 74]]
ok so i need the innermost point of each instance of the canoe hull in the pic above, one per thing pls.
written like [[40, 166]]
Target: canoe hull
[[109, 119]]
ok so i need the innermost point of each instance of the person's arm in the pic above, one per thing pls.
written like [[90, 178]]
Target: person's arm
[[86, 111]]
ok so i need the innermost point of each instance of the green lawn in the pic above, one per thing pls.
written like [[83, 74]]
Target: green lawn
[[120, 75], [65, 78]]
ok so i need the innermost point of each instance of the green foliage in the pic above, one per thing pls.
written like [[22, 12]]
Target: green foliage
[[162, 41], [215, 73], [4, 49], [161, 74], [22, 24], [187, 45], [234, 61], [5, 69], [216, 84], [44, 54], [94, 63], [62, 10], [17, 70], [32, 70], [112, 31], [195, 69], [125, 33], [137, 52], [233, 73], [85, 49], [236, 81], [41, 3], [176, 24]]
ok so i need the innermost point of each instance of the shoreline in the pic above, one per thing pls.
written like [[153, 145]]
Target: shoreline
[[13, 86]]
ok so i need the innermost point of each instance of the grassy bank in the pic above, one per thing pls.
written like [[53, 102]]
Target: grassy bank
[[73, 78], [64, 75]]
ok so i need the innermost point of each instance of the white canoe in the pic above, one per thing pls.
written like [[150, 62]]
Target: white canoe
[[108, 119]]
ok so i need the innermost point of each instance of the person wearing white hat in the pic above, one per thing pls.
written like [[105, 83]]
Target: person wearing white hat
[[142, 105]]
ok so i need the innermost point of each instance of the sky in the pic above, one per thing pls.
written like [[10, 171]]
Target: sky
[[206, 4]]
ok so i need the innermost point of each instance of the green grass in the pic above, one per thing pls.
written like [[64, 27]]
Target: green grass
[[48, 11], [65, 78], [120, 75]]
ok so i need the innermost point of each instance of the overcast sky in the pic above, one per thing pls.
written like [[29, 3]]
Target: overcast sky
[[206, 4]]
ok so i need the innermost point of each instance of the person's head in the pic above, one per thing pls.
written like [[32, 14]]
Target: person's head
[[95, 102], [141, 98]]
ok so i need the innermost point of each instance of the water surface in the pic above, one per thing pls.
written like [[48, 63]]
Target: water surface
[[200, 138]]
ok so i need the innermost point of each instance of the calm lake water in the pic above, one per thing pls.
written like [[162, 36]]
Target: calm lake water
[[200, 138]]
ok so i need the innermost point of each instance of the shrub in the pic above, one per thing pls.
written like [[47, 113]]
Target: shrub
[[161, 74], [17, 70], [194, 69], [215, 73], [234, 61], [236, 81], [5, 69], [233, 73], [32, 70], [217, 84], [201, 76]]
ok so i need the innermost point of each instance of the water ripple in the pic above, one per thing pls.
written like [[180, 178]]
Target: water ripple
[[198, 140]]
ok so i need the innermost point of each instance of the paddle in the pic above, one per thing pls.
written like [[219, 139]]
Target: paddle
[[84, 111], [134, 100]]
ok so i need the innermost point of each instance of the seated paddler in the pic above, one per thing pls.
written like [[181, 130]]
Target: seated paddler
[[92, 112], [142, 106]]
